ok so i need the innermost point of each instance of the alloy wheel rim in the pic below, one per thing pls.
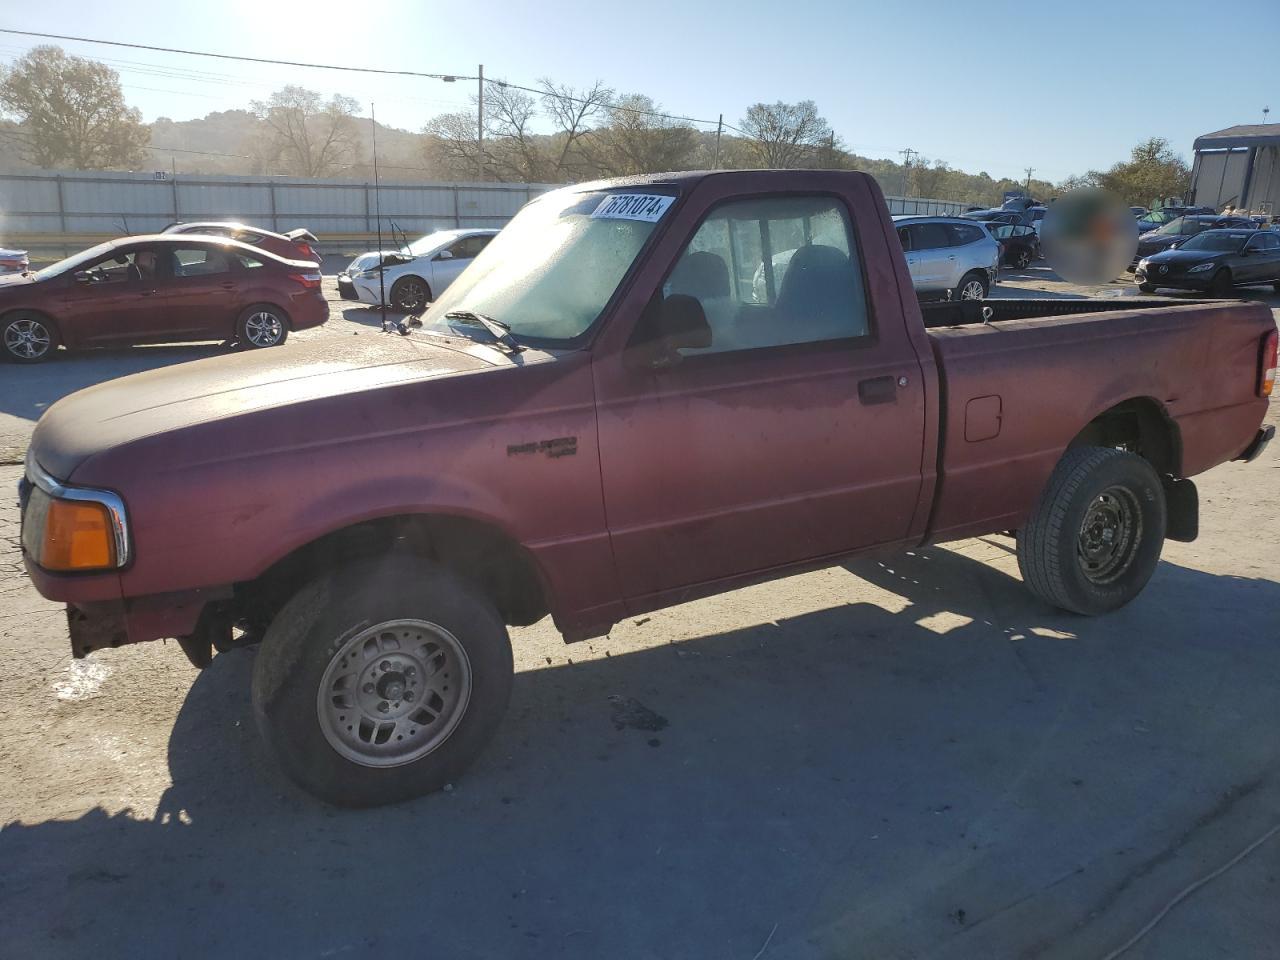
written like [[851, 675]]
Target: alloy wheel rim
[[394, 692], [263, 329], [1109, 535], [972, 291], [412, 295], [27, 339]]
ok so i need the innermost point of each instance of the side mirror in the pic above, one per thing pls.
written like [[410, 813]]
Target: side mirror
[[1175, 244], [82, 276], [665, 327], [444, 255]]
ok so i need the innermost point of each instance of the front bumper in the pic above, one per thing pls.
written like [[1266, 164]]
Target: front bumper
[[346, 289], [366, 291], [1176, 281]]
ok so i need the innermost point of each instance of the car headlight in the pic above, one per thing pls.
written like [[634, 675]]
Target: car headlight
[[1201, 267], [73, 529], [1142, 264], [368, 274]]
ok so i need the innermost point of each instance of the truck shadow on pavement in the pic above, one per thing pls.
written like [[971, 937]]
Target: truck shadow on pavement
[[965, 777]]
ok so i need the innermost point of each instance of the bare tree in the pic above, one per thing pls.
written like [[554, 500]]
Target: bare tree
[[785, 134], [306, 136], [572, 112], [638, 139], [71, 112]]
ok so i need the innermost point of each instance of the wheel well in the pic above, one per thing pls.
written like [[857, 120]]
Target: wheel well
[[502, 568], [1141, 426], [30, 312]]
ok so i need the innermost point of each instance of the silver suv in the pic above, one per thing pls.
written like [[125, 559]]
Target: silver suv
[[950, 258]]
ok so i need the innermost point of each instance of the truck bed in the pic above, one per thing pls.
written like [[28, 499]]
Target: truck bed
[[1018, 389]]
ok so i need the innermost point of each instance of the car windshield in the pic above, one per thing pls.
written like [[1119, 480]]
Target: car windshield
[[549, 274], [1214, 240], [74, 261], [427, 244]]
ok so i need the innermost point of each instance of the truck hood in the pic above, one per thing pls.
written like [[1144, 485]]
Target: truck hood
[[159, 401]]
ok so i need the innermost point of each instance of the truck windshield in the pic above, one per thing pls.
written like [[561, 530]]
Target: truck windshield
[[549, 274]]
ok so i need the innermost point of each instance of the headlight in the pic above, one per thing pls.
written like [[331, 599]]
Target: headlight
[[68, 529], [1201, 267], [1142, 264], [367, 274]]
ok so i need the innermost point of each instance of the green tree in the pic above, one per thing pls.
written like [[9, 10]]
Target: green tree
[[71, 113], [1152, 170], [787, 135]]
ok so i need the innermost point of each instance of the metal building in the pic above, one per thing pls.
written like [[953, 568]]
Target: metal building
[[1239, 166]]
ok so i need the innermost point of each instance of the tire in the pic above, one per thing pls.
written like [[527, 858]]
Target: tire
[[1147, 287], [28, 338], [972, 286], [262, 325], [1222, 285], [1276, 286], [410, 295], [1022, 259], [332, 655], [1065, 553]]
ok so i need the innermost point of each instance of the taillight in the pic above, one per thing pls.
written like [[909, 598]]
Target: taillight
[[308, 252], [1267, 368], [309, 280]]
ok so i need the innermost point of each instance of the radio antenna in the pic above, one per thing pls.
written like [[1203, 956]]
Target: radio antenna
[[377, 196]]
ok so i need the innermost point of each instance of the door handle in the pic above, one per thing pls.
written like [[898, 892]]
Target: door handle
[[147, 293], [878, 390]]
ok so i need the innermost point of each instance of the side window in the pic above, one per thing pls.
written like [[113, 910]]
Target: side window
[[199, 261], [928, 236], [904, 238], [468, 247], [962, 233], [1265, 241], [1002, 232], [476, 244], [771, 272], [245, 236], [248, 262], [119, 267]]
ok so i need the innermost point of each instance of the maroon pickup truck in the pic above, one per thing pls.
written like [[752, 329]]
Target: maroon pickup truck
[[642, 392]]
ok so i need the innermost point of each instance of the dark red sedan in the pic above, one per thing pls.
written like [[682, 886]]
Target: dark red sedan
[[157, 289]]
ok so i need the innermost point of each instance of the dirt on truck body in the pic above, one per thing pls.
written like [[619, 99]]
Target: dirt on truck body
[[629, 400]]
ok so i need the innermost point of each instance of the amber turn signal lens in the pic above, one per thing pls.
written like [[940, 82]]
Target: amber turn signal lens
[[77, 536]]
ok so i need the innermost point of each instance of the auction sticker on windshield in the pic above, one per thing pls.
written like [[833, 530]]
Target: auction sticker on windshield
[[633, 206]]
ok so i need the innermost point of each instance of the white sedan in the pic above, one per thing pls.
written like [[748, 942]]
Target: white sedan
[[414, 275]]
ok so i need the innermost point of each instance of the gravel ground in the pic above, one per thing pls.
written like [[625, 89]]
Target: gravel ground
[[897, 758]]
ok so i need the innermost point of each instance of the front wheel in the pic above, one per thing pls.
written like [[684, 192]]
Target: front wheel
[[1147, 287], [410, 295], [27, 338], [972, 286], [262, 325], [381, 682], [1094, 538]]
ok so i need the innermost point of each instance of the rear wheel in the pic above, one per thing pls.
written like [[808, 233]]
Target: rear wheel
[[410, 295], [381, 682], [262, 325], [972, 286], [1022, 259], [1095, 536], [27, 338]]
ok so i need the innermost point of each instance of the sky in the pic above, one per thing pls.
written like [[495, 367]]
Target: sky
[[1060, 87]]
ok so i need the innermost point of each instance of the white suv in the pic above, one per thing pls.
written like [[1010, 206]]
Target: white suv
[[949, 258]]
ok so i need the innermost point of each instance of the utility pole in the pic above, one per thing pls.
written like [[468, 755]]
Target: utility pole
[[480, 112], [1030, 170], [906, 168], [719, 129]]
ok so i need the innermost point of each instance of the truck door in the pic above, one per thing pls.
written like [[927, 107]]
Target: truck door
[[793, 432]]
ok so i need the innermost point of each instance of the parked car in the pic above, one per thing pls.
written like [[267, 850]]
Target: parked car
[[1139, 212], [158, 289], [602, 448], [1154, 219], [948, 257], [1019, 243], [14, 261], [297, 244], [1216, 261], [1176, 231], [416, 274]]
